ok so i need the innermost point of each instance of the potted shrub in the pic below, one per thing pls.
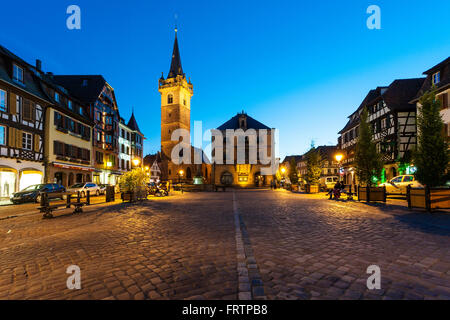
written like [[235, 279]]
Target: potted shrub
[[368, 163], [313, 170], [431, 157], [133, 185]]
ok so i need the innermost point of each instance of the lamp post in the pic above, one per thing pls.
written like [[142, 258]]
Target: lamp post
[[180, 175], [338, 158], [283, 177]]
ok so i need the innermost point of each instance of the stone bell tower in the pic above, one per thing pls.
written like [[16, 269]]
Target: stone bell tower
[[176, 93]]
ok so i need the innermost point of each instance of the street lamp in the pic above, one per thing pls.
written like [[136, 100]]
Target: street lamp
[[180, 174], [136, 162], [338, 158]]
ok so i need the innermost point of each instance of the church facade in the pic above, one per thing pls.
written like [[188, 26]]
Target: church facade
[[244, 172]]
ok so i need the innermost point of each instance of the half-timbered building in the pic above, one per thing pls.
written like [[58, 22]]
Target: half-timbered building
[[393, 121], [95, 93], [68, 127], [438, 77], [22, 111]]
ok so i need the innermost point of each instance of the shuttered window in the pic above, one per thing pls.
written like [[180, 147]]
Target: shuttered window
[[27, 110]]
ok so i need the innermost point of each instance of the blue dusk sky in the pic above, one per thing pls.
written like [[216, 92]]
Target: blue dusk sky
[[299, 66]]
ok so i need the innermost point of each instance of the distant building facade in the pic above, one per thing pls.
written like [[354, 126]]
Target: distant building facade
[[243, 174], [124, 147]]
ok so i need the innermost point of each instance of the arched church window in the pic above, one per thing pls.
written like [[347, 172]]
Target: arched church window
[[170, 99]]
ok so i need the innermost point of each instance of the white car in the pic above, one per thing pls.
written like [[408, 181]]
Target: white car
[[93, 189], [328, 182], [398, 185]]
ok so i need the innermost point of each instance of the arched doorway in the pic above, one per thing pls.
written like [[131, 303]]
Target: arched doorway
[[188, 173], [70, 182], [226, 178], [7, 182], [60, 178], [393, 172], [29, 177], [259, 179]]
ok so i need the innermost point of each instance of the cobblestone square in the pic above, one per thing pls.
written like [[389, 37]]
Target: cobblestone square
[[242, 244]]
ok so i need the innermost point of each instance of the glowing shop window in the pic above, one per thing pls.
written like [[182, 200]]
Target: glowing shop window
[[29, 178]]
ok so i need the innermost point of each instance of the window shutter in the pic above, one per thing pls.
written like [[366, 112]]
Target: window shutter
[[18, 139], [12, 103], [37, 140], [445, 101], [12, 137]]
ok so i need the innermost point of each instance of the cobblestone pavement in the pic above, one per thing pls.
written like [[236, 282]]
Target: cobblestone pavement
[[307, 247], [162, 249], [292, 246]]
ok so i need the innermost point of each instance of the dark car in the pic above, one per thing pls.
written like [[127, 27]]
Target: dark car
[[33, 193]]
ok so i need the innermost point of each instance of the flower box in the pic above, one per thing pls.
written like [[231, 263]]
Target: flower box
[[311, 188], [371, 194], [428, 198]]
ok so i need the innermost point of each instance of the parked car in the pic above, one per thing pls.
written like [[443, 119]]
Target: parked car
[[328, 182], [398, 185], [93, 188], [33, 193], [103, 188]]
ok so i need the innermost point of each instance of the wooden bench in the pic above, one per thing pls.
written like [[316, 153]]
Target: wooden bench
[[48, 209]]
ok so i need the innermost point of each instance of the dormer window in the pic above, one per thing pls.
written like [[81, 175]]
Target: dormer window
[[170, 99], [17, 73], [436, 77], [56, 96], [69, 105]]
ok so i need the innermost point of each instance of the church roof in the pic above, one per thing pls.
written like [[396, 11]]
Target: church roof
[[233, 123], [132, 124], [175, 65]]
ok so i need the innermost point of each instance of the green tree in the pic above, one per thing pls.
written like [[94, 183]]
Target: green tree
[[313, 166], [431, 156], [293, 172], [367, 160]]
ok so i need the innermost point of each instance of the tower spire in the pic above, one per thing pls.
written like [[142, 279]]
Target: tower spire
[[175, 65]]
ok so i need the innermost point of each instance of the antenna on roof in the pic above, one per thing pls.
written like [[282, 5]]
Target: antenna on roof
[[176, 23]]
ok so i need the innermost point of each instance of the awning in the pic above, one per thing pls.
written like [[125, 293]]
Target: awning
[[72, 166]]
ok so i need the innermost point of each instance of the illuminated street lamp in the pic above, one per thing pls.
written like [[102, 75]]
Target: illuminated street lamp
[[136, 162], [180, 174], [338, 158]]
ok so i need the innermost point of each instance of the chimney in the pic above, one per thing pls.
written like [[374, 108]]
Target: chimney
[[38, 65]]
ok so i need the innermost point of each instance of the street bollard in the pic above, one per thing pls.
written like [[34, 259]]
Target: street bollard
[[88, 197], [68, 199]]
